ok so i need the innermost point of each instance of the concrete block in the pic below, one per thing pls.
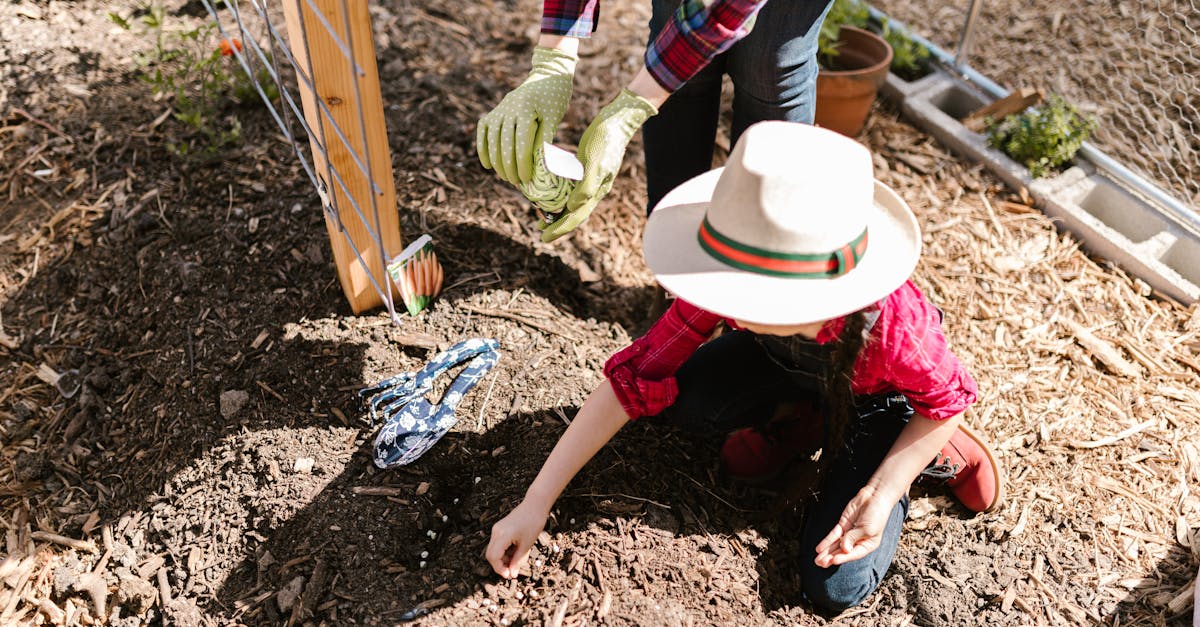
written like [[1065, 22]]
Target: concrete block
[[896, 89], [1121, 226]]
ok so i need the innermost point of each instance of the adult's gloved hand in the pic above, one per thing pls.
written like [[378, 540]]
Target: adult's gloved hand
[[529, 113], [601, 149]]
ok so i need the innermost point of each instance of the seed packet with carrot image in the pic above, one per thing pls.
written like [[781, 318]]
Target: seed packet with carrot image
[[417, 274]]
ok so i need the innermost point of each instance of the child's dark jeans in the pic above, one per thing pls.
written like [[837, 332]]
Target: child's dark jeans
[[735, 382]]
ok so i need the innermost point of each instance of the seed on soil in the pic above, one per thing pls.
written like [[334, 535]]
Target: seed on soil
[[422, 564], [304, 465], [478, 479], [424, 554], [231, 402]]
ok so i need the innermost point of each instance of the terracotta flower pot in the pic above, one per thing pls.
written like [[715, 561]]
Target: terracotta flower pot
[[846, 91]]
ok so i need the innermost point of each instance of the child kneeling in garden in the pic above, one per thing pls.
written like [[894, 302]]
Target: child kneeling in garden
[[807, 259]]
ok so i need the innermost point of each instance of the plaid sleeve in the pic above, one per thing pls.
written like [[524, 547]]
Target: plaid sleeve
[[699, 31], [915, 357], [571, 18], [643, 374]]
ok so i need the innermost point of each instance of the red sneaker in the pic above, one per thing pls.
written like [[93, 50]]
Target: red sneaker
[[761, 453], [969, 467]]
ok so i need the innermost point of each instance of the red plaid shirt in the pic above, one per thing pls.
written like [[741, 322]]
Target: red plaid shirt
[[906, 353], [697, 32]]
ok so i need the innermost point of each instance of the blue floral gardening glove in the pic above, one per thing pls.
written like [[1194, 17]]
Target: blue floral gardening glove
[[601, 149], [527, 115]]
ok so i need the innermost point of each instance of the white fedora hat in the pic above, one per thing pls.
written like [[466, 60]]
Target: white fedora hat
[[794, 229]]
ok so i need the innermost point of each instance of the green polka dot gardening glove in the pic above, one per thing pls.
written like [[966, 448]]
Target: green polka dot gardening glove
[[601, 149], [529, 114]]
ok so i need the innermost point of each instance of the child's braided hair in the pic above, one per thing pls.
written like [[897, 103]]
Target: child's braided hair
[[838, 395], [839, 403]]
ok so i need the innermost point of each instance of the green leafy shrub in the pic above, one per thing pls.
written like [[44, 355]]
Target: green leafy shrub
[[197, 72], [1042, 137]]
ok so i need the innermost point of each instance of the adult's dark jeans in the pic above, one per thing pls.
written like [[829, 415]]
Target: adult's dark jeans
[[774, 75], [732, 382]]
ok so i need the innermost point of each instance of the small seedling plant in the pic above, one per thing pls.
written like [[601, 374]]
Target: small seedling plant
[[196, 71], [1044, 137]]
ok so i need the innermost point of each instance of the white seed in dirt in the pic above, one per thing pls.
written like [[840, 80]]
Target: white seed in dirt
[[539, 562], [572, 521], [456, 501], [422, 564], [478, 479], [232, 401], [520, 595], [424, 554], [445, 518], [533, 594], [432, 534]]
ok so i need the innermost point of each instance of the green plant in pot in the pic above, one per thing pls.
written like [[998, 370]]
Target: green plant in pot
[[854, 63], [1042, 137], [842, 13]]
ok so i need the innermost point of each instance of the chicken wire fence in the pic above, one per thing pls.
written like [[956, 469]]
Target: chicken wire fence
[[1153, 120], [319, 56]]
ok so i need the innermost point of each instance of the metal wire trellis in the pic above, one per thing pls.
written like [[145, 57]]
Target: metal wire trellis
[[311, 140]]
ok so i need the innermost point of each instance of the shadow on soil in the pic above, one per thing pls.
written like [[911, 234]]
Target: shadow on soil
[[201, 294], [418, 546]]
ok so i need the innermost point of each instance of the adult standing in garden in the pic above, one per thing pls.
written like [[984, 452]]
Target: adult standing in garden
[[767, 48]]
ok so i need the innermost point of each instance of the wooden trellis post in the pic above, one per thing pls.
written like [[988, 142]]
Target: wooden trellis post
[[320, 45]]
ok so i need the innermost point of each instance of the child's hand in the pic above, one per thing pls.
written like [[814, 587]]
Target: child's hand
[[858, 531], [513, 537]]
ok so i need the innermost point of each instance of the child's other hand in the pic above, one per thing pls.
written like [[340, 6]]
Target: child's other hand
[[513, 537], [858, 531]]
